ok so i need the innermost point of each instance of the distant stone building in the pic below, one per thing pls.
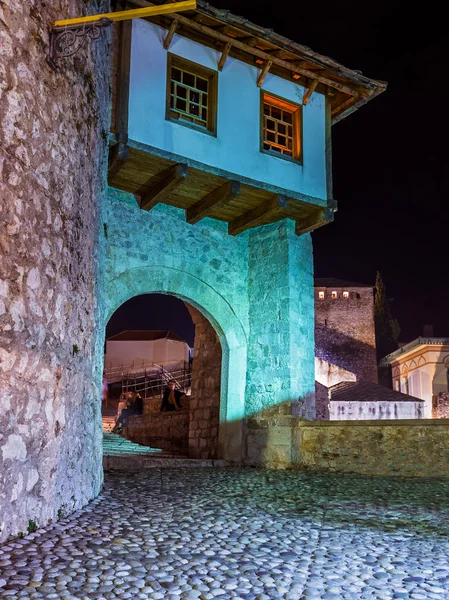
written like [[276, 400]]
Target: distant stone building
[[344, 331], [421, 369], [346, 382]]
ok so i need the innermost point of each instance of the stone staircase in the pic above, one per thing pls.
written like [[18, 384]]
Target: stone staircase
[[123, 455], [108, 423]]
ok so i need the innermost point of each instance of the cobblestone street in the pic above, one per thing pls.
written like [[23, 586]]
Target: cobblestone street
[[184, 534]]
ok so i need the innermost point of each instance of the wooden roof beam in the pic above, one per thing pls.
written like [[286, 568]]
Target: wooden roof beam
[[171, 33], [224, 56], [265, 55], [309, 92], [343, 106], [264, 73], [271, 209], [252, 42], [160, 190], [216, 199], [247, 46], [320, 217]]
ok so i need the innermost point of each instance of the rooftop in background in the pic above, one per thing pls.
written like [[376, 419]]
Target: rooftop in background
[[421, 341], [365, 391], [145, 335], [330, 282]]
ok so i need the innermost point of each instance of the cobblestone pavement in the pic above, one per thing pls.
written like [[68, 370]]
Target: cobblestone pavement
[[185, 534]]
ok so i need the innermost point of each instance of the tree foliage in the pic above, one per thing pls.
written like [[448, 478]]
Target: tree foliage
[[387, 328]]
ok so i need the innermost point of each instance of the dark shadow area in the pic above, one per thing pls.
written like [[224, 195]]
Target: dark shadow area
[[153, 311], [346, 352]]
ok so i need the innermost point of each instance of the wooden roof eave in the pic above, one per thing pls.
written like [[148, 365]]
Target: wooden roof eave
[[359, 86], [284, 43]]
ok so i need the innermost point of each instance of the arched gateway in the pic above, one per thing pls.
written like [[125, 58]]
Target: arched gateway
[[187, 287]]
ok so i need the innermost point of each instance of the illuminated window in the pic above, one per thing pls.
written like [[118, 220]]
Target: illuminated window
[[191, 94], [281, 133], [334, 295], [321, 295], [345, 294]]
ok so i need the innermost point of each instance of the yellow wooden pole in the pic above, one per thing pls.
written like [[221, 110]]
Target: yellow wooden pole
[[136, 13]]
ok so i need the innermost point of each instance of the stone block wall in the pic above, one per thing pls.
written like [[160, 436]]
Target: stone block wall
[[206, 383], [280, 376], [53, 131], [440, 408], [414, 448], [256, 291], [344, 331], [168, 430]]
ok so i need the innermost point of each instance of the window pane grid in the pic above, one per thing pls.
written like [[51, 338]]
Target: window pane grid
[[278, 129], [189, 96]]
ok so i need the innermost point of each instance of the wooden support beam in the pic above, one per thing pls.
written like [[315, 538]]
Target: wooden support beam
[[122, 82], [118, 155], [279, 53], [159, 191], [248, 45], [171, 33], [125, 15], [264, 72], [321, 217], [249, 41], [216, 199], [224, 56], [270, 210], [309, 92], [343, 106]]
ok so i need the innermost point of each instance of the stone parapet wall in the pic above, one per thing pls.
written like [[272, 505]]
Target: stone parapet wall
[[53, 138], [404, 448], [363, 410], [153, 405], [168, 430]]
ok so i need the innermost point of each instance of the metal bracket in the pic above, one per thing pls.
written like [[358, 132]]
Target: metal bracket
[[67, 41]]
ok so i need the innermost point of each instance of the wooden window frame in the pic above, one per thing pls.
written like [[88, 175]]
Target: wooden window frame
[[296, 110], [173, 60]]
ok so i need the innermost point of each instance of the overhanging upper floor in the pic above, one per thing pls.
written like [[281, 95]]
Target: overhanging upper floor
[[220, 132]]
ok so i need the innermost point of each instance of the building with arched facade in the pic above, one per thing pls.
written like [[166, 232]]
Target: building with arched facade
[[421, 369]]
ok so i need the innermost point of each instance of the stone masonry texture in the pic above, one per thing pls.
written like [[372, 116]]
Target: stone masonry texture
[[412, 448], [344, 330], [53, 132], [263, 279], [441, 406], [168, 430], [280, 379], [206, 379]]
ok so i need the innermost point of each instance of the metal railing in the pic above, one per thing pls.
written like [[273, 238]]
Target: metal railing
[[149, 382]]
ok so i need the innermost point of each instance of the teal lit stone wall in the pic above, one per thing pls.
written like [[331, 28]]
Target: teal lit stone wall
[[280, 377], [256, 289]]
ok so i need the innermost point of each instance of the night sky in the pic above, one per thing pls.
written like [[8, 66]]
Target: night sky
[[389, 158]]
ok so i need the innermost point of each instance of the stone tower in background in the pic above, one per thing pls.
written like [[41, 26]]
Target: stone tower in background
[[53, 137]]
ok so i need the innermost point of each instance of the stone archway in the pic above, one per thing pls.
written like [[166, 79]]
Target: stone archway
[[167, 280]]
